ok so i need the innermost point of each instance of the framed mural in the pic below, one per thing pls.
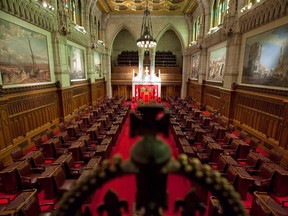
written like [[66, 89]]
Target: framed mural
[[195, 66], [97, 64], [265, 60], [76, 62], [216, 64], [24, 57]]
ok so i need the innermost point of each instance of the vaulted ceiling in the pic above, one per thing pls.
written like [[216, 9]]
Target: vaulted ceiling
[[159, 7]]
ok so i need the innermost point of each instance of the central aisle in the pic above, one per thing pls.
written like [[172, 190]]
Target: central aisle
[[126, 186]]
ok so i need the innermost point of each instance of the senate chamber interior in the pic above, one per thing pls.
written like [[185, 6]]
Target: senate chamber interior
[[144, 107]]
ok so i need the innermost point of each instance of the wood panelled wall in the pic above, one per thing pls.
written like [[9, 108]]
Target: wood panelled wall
[[29, 111], [263, 115]]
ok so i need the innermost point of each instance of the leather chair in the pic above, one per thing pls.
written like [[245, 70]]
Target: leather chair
[[49, 134], [38, 142], [252, 162], [263, 178], [275, 156], [231, 175], [62, 184], [232, 149], [70, 169], [29, 175], [243, 135], [52, 149], [254, 142], [17, 154]]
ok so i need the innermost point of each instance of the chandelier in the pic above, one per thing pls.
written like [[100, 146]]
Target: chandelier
[[146, 39]]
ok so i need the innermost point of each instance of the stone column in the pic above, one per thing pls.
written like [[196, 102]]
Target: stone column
[[206, 17], [107, 73], [202, 65], [185, 75], [90, 65], [61, 68], [232, 60], [152, 62], [141, 59]]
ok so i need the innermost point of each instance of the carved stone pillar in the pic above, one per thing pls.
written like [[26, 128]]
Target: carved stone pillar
[[232, 61], [107, 73], [207, 23], [140, 64], [202, 64], [152, 62], [62, 73], [185, 75], [90, 68]]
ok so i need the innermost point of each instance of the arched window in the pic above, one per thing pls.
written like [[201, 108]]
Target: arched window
[[99, 32], [218, 10], [196, 28], [74, 9], [79, 13]]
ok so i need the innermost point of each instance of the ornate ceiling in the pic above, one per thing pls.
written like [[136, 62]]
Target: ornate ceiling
[[164, 7]]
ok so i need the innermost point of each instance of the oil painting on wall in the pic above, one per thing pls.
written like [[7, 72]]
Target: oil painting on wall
[[216, 64], [23, 55], [195, 66], [97, 64], [76, 62], [266, 58]]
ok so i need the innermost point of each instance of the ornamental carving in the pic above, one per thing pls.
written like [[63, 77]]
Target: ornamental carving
[[262, 14], [29, 11]]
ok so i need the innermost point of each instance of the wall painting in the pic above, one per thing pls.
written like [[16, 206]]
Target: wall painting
[[23, 55], [216, 64], [266, 58]]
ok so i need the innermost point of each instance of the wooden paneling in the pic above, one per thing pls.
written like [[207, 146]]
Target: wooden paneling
[[29, 111], [98, 90], [122, 90], [211, 96], [194, 90], [262, 113]]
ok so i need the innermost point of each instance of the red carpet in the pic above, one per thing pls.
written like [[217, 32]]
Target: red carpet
[[126, 186]]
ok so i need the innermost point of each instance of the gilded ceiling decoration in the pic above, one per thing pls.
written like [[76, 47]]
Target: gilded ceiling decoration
[[160, 7]]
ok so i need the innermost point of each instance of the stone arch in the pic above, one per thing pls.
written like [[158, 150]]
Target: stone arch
[[172, 27], [119, 29]]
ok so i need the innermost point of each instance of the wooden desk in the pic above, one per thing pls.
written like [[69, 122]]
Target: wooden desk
[[229, 160], [34, 157], [76, 148], [71, 130], [50, 148], [263, 204], [243, 150], [47, 181], [62, 159], [93, 163], [11, 177], [243, 182], [23, 204], [216, 151], [280, 180], [102, 151]]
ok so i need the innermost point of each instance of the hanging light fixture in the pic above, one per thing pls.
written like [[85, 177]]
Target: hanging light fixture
[[146, 39]]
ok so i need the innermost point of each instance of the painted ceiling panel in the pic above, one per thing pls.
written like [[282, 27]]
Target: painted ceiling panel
[[163, 7]]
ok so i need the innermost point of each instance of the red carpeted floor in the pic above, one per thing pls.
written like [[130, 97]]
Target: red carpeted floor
[[126, 186]]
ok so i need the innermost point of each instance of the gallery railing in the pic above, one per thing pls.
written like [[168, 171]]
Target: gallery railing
[[151, 162]]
